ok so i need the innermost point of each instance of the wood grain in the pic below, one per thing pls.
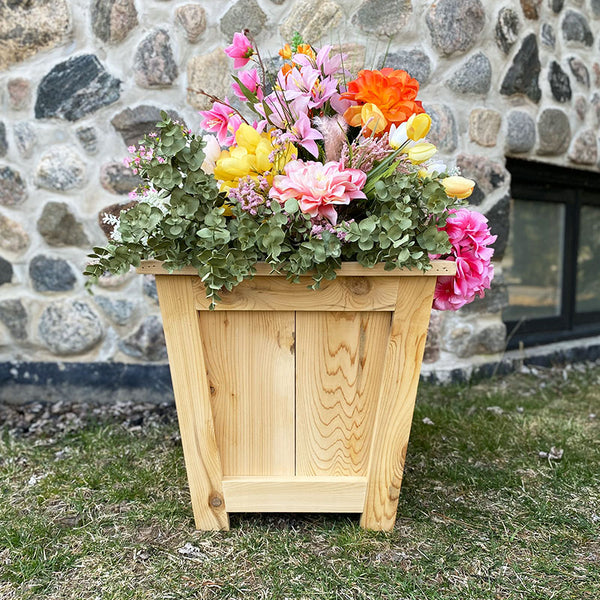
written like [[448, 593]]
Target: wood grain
[[295, 494], [250, 363], [276, 294], [340, 358], [192, 397], [396, 402], [348, 269]]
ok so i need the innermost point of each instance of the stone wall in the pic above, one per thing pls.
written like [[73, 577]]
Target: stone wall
[[81, 80]]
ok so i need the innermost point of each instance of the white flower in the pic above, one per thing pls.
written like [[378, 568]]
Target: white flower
[[398, 137], [212, 151], [429, 169]]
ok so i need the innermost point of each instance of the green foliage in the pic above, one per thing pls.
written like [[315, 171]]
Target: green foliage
[[183, 220]]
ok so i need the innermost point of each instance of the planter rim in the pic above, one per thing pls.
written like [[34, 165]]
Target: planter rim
[[348, 269]]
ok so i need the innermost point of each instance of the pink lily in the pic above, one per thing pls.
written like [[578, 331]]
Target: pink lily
[[303, 134], [240, 50], [251, 81], [222, 120]]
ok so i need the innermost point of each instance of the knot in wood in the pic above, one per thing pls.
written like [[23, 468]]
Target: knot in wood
[[359, 286], [215, 500]]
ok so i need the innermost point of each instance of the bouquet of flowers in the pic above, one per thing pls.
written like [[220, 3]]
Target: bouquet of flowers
[[313, 168]]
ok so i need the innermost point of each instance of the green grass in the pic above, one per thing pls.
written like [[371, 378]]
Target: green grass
[[481, 515]]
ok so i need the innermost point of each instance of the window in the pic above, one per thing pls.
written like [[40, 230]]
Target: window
[[552, 262]]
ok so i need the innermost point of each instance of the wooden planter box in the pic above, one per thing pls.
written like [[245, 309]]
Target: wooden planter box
[[295, 400]]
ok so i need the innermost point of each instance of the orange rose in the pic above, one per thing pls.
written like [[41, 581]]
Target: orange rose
[[393, 92]]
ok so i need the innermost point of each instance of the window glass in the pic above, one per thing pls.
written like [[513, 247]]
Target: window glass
[[533, 260], [588, 260]]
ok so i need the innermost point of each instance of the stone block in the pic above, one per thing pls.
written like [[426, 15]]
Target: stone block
[[28, 27], [134, 123], [520, 133], [154, 65], [313, 19], [554, 132], [13, 190], [19, 93], [15, 318], [455, 25], [13, 237], [560, 84], [383, 17], [192, 18], [69, 327], [414, 61], [147, 341], [50, 274], [523, 75], [474, 76], [443, 132], [112, 20], [584, 149], [244, 14], [59, 226], [75, 88], [484, 125], [209, 73], [60, 169]]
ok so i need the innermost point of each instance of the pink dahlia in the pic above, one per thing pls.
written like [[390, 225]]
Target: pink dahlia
[[240, 50], [318, 187], [468, 228], [470, 236]]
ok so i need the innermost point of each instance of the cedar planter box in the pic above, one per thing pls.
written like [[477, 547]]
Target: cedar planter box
[[295, 400]]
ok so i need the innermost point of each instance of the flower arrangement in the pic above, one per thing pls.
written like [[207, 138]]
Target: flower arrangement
[[313, 168]]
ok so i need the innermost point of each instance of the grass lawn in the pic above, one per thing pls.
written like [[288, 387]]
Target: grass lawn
[[104, 512]]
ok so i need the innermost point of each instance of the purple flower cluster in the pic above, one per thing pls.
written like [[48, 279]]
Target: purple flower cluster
[[363, 153], [319, 225], [250, 193]]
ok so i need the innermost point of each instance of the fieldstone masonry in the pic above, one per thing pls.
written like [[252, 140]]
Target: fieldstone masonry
[[80, 80]]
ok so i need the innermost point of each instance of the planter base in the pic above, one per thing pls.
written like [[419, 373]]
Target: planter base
[[294, 400]]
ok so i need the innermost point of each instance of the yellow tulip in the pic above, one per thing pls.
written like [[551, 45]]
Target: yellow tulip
[[418, 126], [420, 152], [458, 187]]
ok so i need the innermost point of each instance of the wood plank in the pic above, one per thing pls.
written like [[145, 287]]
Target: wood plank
[[340, 357], [348, 269], [274, 293], [396, 402], [192, 398], [250, 363], [295, 494]]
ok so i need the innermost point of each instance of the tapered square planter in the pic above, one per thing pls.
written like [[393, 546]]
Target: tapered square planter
[[295, 400]]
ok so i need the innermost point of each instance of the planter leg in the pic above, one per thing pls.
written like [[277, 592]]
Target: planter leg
[[396, 402], [192, 397]]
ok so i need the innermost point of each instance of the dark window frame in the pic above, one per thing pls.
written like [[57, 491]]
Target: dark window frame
[[571, 188]]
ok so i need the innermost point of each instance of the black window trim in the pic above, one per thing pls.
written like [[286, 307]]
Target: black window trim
[[549, 183]]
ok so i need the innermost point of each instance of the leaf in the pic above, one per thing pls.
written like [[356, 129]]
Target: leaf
[[291, 206]]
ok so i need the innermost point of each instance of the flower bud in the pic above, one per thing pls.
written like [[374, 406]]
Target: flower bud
[[458, 187], [421, 152], [418, 126]]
